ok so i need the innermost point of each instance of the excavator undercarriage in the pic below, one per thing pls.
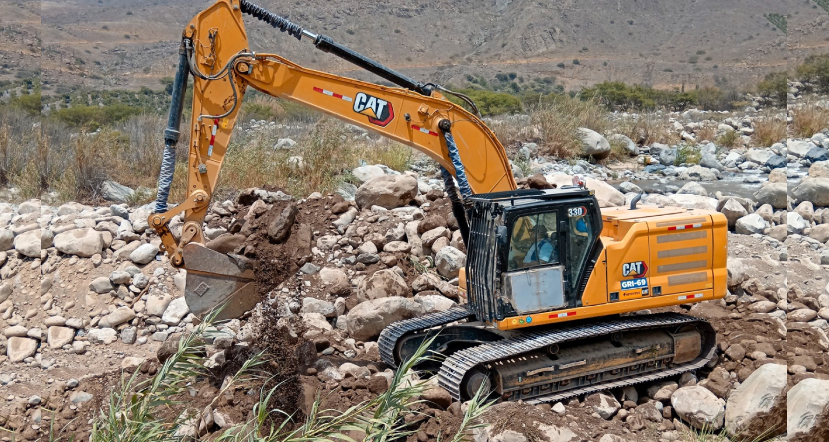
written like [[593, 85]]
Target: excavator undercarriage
[[552, 363]]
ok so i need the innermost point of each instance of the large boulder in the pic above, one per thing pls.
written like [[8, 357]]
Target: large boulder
[[79, 242], [699, 407], [28, 243], [627, 144], [607, 195], [593, 144], [449, 261], [819, 169], [118, 193], [365, 173], [733, 211], [759, 156], [58, 336], [750, 224], [144, 253], [6, 239], [773, 194], [805, 402], [369, 318], [699, 173], [758, 404], [710, 161], [693, 188], [388, 191], [383, 284], [18, 349], [795, 224], [799, 148], [815, 190]]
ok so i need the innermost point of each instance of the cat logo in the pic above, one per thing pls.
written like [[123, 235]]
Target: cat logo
[[635, 269], [379, 112]]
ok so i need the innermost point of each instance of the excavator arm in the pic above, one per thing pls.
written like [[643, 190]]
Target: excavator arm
[[215, 51]]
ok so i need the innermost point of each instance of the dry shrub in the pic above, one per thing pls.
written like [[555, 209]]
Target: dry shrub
[[646, 129], [707, 133], [730, 138], [553, 124], [768, 131], [808, 120]]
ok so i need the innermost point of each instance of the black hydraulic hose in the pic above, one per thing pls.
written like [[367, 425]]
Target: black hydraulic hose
[[635, 201], [326, 44], [171, 132]]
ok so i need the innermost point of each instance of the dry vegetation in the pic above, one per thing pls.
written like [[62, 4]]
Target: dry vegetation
[[769, 130], [808, 120]]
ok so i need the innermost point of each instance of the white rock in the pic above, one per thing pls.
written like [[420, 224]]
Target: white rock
[[449, 261], [102, 336], [368, 319], [18, 349], [175, 312], [699, 407], [144, 253], [750, 224], [28, 243], [365, 173], [804, 403], [117, 317], [79, 242], [758, 394], [57, 336]]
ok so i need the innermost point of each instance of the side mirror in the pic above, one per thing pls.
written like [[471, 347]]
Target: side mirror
[[501, 235]]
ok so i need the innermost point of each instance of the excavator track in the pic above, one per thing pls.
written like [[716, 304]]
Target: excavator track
[[513, 351], [392, 334]]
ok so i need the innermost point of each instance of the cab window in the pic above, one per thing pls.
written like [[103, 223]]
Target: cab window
[[533, 241]]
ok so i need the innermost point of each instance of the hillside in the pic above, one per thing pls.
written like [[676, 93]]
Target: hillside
[[117, 44]]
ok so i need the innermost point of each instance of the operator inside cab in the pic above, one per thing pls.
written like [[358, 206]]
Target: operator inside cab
[[534, 241]]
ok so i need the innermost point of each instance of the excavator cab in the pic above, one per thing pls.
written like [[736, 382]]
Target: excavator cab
[[531, 251]]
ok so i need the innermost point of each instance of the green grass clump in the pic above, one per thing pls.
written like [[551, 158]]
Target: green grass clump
[[687, 154]]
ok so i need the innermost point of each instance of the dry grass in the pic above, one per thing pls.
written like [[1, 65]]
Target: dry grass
[[73, 165], [647, 129], [706, 133], [768, 130], [553, 124], [731, 138], [809, 120]]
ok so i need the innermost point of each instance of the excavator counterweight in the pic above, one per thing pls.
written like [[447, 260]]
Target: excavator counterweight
[[554, 282]]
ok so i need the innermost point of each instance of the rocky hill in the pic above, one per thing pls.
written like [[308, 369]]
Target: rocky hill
[[117, 44]]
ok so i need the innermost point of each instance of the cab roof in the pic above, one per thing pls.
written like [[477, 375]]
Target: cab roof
[[529, 196]]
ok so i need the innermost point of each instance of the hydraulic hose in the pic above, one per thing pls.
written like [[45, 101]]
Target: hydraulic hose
[[171, 133]]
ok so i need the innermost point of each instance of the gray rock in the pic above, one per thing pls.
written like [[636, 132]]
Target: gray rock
[[101, 285], [280, 228], [6, 239], [593, 144], [627, 144], [628, 187], [18, 349], [699, 407], [817, 154], [776, 162], [804, 403], [449, 261], [144, 253], [387, 191], [79, 242], [750, 224], [752, 400], [815, 190], [28, 243], [120, 277], [773, 194], [799, 148], [175, 312], [117, 317], [733, 211], [795, 223], [693, 188], [313, 305], [112, 191], [80, 397], [382, 284], [369, 318], [129, 335], [365, 173], [699, 173], [58, 336], [710, 161], [667, 157]]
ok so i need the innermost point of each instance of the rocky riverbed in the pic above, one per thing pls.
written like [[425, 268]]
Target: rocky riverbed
[[85, 295]]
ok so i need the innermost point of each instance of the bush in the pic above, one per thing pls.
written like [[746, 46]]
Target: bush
[[30, 103], [729, 139], [773, 87], [815, 70], [687, 154], [768, 131], [93, 117], [490, 103], [809, 119]]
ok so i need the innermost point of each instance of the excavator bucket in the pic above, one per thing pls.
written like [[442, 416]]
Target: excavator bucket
[[215, 279]]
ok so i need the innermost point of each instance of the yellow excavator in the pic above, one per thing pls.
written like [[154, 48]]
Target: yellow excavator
[[552, 280]]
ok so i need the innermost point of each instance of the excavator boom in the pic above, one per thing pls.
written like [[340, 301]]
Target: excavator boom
[[215, 51]]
